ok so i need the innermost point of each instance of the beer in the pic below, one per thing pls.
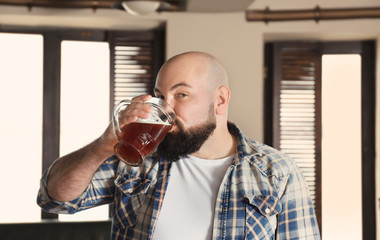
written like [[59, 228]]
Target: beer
[[139, 139]]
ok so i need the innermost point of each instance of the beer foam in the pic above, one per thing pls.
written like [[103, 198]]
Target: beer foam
[[148, 121], [153, 119]]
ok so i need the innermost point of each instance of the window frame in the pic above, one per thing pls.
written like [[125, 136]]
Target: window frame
[[52, 38], [367, 51]]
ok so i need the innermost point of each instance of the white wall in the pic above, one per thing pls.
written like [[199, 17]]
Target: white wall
[[236, 42]]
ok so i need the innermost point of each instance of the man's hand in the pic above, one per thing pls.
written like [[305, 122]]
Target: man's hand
[[71, 174]]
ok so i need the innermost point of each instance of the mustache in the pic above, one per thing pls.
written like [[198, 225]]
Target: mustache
[[179, 125]]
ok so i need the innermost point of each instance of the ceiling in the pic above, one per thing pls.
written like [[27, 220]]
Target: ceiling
[[173, 5]]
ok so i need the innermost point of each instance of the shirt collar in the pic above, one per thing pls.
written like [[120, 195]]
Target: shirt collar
[[246, 148], [256, 154]]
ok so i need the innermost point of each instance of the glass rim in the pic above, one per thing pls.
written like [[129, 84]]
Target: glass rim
[[162, 104]]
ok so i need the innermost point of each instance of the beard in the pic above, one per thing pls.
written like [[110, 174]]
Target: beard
[[183, 142]]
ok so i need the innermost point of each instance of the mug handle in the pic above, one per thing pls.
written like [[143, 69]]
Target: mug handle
[[115, 117]]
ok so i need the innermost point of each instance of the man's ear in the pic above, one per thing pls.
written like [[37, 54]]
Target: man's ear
[[222, 96]]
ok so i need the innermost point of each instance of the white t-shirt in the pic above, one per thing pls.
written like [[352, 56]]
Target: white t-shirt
[[188, 208]]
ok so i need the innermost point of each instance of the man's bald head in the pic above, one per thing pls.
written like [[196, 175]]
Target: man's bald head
[[195, 84], [203, 63]]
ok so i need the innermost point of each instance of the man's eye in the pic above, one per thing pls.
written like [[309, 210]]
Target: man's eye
[[160, 97], [181, 95]]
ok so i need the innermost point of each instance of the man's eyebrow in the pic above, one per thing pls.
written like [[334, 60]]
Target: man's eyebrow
[[181, 84]]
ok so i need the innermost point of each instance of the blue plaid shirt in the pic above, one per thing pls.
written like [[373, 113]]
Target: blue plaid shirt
[[263, 196]]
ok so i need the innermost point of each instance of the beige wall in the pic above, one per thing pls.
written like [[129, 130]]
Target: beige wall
[[238, 48], [236, 42]]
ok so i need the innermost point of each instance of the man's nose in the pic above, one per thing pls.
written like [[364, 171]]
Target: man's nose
[[169, 107], [170, 113]]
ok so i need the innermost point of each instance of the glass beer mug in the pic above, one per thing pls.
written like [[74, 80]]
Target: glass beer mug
[[139, 139]]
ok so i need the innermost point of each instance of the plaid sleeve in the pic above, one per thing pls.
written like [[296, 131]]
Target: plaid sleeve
[[297, 219], [99, 191]]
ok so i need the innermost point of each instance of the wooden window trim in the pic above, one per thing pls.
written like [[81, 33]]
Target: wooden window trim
[[367, 50], [51, 104], [368, 139]]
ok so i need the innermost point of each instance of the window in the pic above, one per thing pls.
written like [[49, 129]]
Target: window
[[20, 125], [54, 99], [84, 104], [295, 85], [135, 67], [341, 144]]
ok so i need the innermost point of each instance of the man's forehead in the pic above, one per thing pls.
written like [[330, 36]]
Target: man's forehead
[[183, 72], [172, 87]]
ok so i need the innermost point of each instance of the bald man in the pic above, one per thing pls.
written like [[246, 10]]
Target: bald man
[[205, 181]]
